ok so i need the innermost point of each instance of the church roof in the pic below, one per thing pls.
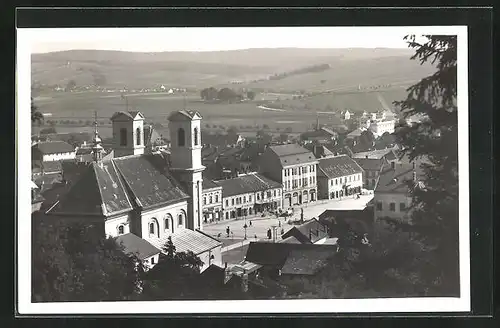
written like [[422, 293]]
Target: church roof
[[118, 185], [291, 154], [128, 116], [184, 115], [149, 180]]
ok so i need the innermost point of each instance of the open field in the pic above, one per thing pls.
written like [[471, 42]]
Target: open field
[[349, 68]]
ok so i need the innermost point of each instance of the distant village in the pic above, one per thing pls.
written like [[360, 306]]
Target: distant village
[[142, 188]]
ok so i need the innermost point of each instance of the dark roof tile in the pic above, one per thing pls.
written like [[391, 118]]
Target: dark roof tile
[[53, 147], [394, 180], [133, 244], [339, 166], [308, 232], [149, 180], [247, 183], [306, 261], [370, 164]]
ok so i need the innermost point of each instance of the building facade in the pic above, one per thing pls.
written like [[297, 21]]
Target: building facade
[[393, 194], [295, 168], [50, 151], [249, 195], [212, 202], [338, 177]]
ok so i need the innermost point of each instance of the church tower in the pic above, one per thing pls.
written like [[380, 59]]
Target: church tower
[[128, 133], [97, 150], [185, 160]]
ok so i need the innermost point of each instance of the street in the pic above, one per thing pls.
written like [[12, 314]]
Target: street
[[258, 226]]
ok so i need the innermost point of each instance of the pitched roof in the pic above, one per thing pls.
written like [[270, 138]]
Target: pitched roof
[[370, 164], [394, 180], [355, 133], [99, 191], [184, 115], [308, 232], [291, 154], [276, 254], [54, 166], [188, 240], [338, 166], [252, 182], [209, 184], [306, 261], [374, 154], [290, 240], [149, 181], [84, 151], [133, 244], [130, 115], [53, 147]]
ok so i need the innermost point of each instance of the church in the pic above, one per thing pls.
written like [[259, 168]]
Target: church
[[149, 196]]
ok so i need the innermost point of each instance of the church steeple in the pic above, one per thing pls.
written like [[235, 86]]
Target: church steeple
[[97, 149]]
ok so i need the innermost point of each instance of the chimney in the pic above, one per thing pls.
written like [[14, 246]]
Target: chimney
[[366, 156]]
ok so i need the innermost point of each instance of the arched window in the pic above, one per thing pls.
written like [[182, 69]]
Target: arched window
[[181, 137], [196, 136], [121, 229], [167, 224], [180, 219], [152, 228], [123, 137], [138, 136]]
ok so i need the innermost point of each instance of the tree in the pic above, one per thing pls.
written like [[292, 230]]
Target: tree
[[71, 85], [283, 137], [36, 115], [367, 139], [435, 207], [226, 94], [175, 275], [251, 95], [74, 263]]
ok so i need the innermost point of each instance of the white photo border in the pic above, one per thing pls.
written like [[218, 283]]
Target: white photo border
[[384, 305]]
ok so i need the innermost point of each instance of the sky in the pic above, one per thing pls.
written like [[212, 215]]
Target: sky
[[214, 39]]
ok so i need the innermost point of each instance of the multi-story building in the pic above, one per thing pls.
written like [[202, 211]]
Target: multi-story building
[[379, 127], [339, 176], [212, 201], [49, 151], [295, 168], [250, 194], [392, 196]]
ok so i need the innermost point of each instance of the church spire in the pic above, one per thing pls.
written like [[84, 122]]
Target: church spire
[[97, 150], [317, 122]]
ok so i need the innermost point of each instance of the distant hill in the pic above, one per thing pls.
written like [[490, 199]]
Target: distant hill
[[202, 69]]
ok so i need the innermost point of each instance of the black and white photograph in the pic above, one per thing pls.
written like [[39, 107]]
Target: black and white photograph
[[248, 169]]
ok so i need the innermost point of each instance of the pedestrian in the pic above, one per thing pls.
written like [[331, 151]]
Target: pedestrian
[[250, 223], [227, 231], [255, 236]]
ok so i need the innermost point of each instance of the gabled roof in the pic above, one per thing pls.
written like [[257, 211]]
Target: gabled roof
[[308, 232], [291, 154], [53, 147], [209, 184], [133, 244], [375, 154], [275, 254], [149, 181], [99, 191], [184, 115], [252, 182], [290, 240], [338, 166], [306, 261], [54, 166], [188, 240], [127, 116], [355, 133], [369, 164], [394, 180]]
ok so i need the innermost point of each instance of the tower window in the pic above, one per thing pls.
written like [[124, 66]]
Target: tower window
[[138, 136], [121, 230], [123, 137], [181, 137], [196, 136], [180, 219], [152, 228]]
